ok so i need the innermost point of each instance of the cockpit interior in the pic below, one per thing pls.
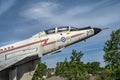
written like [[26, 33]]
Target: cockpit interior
[[64, 28]]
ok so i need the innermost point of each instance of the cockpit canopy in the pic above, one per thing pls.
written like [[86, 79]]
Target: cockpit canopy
[[60, 29], [64, 28]]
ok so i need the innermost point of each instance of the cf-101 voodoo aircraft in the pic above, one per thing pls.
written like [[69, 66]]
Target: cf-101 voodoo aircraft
[[47, 42]]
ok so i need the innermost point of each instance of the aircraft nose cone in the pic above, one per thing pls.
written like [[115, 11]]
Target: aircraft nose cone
[[96, 30]]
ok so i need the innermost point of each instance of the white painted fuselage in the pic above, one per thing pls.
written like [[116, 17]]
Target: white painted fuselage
[[46, 42]]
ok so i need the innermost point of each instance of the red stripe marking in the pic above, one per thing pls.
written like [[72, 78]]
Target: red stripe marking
[[76, 35], [44, 44], [49, 43]]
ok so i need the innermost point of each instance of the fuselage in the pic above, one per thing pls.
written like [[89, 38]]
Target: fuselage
[[46, 42]]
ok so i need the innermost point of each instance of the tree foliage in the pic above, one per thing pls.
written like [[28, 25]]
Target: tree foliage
[[104, 75], [76, 56], [112, 54], [40, 71], [93, 67], [74, 69]]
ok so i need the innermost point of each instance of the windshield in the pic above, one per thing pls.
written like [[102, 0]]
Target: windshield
[[74, 29], [49, 31], [65, 28], [89, 27]]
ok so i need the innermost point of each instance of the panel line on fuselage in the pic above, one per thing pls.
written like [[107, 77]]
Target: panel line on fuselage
[[44, 43]]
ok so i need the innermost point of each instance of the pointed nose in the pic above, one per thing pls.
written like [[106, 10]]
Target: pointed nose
[[97, 30]]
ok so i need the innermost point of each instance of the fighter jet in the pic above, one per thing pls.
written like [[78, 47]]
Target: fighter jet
[[46, 42]]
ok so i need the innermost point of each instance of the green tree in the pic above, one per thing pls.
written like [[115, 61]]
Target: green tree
[[93, 67], [75, 69], [112, 54], [40, 71], [104, 75], [76, 56]]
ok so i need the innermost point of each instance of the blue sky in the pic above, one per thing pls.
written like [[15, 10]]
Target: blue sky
[[20, 19]]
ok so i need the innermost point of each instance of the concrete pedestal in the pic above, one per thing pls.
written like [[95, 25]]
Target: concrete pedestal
[[21, 71]]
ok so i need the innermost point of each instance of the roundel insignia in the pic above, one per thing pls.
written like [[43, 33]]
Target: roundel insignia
[[63, 39]]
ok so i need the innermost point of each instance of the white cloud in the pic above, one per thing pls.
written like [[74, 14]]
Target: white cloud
[[41, 10], [53, 13], [6, 5]]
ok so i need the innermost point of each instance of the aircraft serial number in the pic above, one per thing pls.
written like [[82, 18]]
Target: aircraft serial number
[[8, 48]]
